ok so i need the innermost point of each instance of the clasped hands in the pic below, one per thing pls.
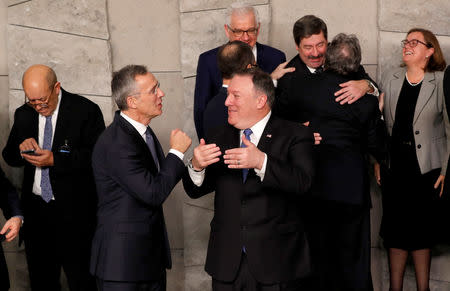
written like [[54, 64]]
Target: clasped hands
[[40, 158], [249, 157]]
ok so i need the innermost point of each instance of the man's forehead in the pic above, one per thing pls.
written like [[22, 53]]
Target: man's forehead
[[313, 39], [243, 19]]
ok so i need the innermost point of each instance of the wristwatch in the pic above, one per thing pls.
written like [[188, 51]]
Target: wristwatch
[[192, 166], [371, 87]]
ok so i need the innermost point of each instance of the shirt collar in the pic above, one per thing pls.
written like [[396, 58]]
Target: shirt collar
[[141, 128], [258, 127], [255, 52]]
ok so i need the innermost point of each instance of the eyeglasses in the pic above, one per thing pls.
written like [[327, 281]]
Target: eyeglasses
[[413, 43], [43, 102], [154, 91], [239, 32]]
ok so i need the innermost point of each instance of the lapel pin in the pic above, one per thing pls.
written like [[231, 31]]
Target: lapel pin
[[269, 135]]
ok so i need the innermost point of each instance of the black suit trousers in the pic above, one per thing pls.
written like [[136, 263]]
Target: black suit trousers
[[52, 243]]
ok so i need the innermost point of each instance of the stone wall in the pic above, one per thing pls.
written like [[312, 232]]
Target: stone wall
[[84, 41]]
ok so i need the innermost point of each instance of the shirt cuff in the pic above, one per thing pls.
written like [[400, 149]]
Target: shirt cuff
[[262, 172], [375, 92], [177, 153], [275, 82], [197, 177], [19, 216]]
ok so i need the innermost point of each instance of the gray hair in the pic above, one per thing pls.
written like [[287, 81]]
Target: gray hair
[[123, 83], [240, 8], [343, 54]]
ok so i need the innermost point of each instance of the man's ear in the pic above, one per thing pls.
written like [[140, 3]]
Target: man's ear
[[131, 102], [261, 101], [225, 26]]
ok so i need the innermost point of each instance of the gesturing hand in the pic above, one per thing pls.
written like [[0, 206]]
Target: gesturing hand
[[205, 155], [249, 157]]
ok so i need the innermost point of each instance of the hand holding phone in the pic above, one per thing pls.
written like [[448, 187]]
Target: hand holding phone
[[29, 152]]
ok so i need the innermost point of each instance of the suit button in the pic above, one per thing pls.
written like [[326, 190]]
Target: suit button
[[417, 132], [419, 146]]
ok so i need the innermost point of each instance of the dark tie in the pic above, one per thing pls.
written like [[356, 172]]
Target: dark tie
[[247, 133], [151, 145], [319, 70], [46, 187]]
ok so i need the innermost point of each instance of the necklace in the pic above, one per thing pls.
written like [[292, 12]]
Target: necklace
[[414, 84]]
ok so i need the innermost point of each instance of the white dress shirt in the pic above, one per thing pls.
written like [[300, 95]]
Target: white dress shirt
[[257, 130], [142, 128], [41, 128]]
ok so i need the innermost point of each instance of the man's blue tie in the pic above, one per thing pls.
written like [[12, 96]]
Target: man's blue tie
[[151, 145], [247, 133], [46, 187]]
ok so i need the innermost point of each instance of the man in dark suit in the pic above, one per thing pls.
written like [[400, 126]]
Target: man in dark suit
[[130, 250], [9, 203], [243, 25], [232, 57], [310, 36], [52, 136], [257, 240], [339, 223]]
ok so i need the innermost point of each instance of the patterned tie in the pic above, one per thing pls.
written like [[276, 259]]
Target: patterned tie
[[46, 187], [319, 70], [247, 133], [151, 145]]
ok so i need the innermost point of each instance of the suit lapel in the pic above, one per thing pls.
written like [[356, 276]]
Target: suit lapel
[[267, 135], [426, 91], [137, 139], [63, 121], [259, 54], [395, 86]]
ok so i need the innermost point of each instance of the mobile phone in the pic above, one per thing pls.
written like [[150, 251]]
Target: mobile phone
[[29, 152]]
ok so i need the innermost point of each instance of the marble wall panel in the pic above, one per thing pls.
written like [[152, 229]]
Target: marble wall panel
[[197, 279], [402, 15], [106, 106], [349, 16], [145, 32], [3, 38], [371, 70], [204, 30], [175, 276], [87, 18], [15, 2], [188, 114], [197, 225], [82, 64], [4, 111], [390, 55], [198, 5]]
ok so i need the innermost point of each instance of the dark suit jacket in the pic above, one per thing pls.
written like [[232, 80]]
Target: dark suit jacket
[[290, 86], [262, 216], [79, 123], [216, 113], [9, 203], [348, 132], [130, 242], [209, 79]]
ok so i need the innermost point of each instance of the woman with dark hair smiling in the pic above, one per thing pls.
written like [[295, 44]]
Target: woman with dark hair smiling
[[419, 130]]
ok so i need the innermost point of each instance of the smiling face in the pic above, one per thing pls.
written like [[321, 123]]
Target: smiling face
[[243, 22], [312, 50], [418, 55], [245, 106]]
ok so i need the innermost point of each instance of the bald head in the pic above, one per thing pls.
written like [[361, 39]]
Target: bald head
[[41, 88], [40, 74]]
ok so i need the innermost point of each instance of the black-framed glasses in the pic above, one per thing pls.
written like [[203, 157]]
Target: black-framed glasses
[[238, 32], [413, 43], [154, 91], [43, 102]]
